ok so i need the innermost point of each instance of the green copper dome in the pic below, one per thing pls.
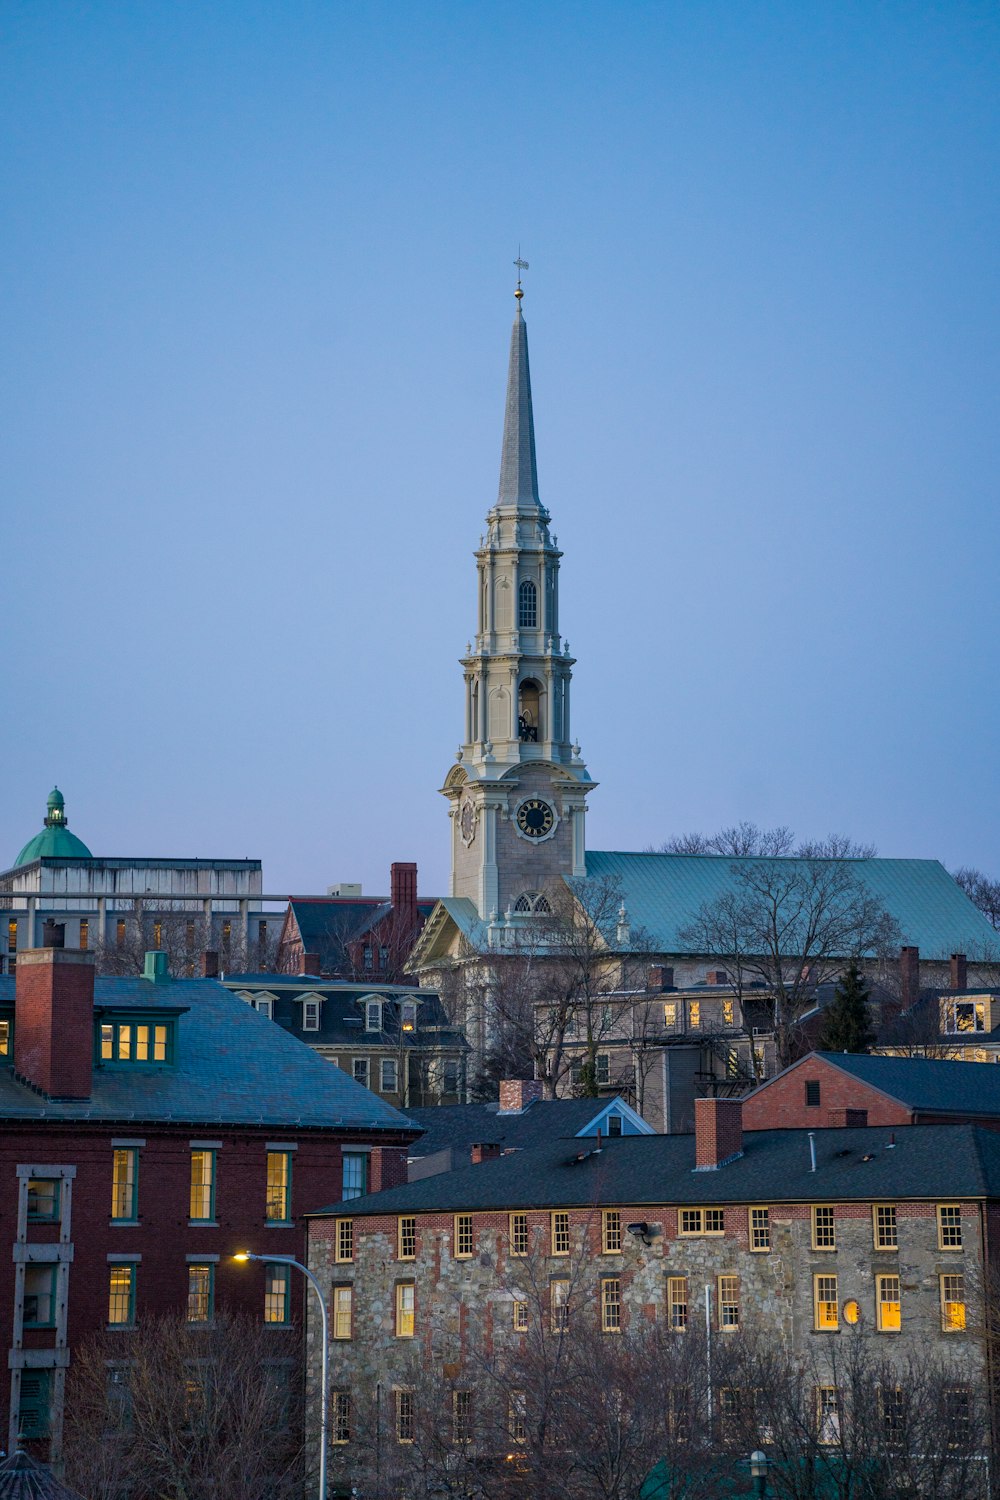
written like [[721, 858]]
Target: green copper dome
[[55, 840]]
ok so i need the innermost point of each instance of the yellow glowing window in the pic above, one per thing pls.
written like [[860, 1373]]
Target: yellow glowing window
[[342, 1308], [4, 1038], [952, 1303], [760, 1229], [727, 1012], [670, 1013], [84, 934], [202, 1205], [463, 1236], [345, 1240], [278, 1199], [520, 1315], [884, 1221], [695, 1013], [405, 1309], [121, 1296], [825, 1302], [611, 1304], [677, 1303], [887, 1304], [406, 1234], [611, 1231], [519, 1234], [124, 1043], [824, 1230], [124, 1180], [277, 1294], [560, 1232]]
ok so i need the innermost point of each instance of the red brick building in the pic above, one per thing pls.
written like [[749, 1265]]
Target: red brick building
[[150, 1129]]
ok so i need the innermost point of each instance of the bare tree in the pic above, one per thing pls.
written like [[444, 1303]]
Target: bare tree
[[981, 891], [168, 1409], [183, 936], [746, 840]]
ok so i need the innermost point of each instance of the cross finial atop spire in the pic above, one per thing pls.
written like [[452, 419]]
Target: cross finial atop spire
[[522, 265]]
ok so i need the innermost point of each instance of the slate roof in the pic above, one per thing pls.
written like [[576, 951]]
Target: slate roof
[[342, 919], [463, 1125], [926, 1084], [927, 1162], [342, 1020], [24, 1478], [663, 893], [234, 1067]]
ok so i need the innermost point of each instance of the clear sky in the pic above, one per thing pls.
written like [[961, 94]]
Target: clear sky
[[257, 281]]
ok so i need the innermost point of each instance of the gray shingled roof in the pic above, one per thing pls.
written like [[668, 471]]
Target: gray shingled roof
[[966, 1088], [463, 1125], [233, 1067], [926, 1162], [24, 1478]]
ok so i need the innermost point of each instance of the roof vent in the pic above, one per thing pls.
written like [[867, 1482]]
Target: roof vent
[[156, 968]]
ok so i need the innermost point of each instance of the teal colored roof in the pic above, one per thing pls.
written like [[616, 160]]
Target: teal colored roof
[[53, 843], [664, 892]]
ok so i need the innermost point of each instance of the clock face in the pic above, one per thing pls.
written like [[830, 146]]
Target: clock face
[[535, 818], [467, 822]]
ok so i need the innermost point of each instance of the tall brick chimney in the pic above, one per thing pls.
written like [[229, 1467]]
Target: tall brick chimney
[[209, 964], [659, 977], [959, 972], [309, 964], [718, 1132], [909, 976], [484, 1151], [517, 1093], [54, 1021], [403, 890]]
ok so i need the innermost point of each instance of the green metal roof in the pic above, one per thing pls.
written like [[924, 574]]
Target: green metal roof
[[664, 892], [55, 840]]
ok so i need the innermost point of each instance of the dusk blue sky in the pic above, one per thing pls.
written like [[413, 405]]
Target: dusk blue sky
[[256, 301]]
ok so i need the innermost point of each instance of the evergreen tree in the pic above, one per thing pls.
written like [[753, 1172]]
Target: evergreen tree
[[847, 1027]]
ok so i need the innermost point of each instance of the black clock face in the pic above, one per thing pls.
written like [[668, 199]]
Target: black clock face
[[535, 818]]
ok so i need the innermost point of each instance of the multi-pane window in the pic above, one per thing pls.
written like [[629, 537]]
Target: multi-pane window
[[670, 1013], [408, 1015], [611, 1231], [824, 1229], [887, 1303], [278, 1205], [355, 1175], [43, 1199], [760, 1229], [124, 1183], [462, 1416], [405, 1309], [12, 935], [892, 1408], [729, 1302], [559, 1303], [345, 1240], [953, 1302], [340, 1423], [949, 1217], [463, 1236], [84, 934], [516, 1418], [519, 1234], [520, 1315], [958, 1414], [702, 1221], [727, 1013], [390, 1075], [277, 1294], [310, 1015], [825, 1305], [361, 1071], [677, 1303], [121, 1295], [527, 606], [611, 1304], [884, 1226], [40, 1296], [560, 1232], [136, 1042], [963, 1015], [406, 1238], [202, 1198], [827, 1413], [603, 1065], [406, 1416], [265, 1007], [694, 1014], [201, 1287], [343, 1307], [373, 1015]]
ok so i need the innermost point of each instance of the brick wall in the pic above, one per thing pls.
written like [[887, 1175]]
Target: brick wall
[[781, 1104]]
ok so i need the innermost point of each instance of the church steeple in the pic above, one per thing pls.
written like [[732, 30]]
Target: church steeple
[[518, 470]]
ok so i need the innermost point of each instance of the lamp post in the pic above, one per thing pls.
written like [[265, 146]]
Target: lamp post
[[324, 1395], [758, 1468]]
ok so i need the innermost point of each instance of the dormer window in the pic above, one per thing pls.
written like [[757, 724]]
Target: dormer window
[[963, 1015], [373, 1015], [408, 1015], [368, 956], [310, 1014], [130, 1042]]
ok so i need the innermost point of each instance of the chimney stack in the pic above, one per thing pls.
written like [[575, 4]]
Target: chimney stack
[[659, 978], [517, 1093], [403, 890], [210, 964], [718, 1133], [909, 976], [309, 964], [484, 1151], [54, 1021], [959, 972]]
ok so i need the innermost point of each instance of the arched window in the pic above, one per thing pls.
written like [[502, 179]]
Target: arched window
[[523, 903], [531, 901], [527, 606], [542, 904]]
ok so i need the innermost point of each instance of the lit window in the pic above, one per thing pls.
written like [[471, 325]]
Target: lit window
[[953, 1302], [12, 935], [463, 1236], [278, 1205], [963, 1015], [39, 1296], [670, 1013], [559, 1303], [361, 1071], [227, 938], [405, 1309], [137, 1042], [201, 1289], [824, 1229], [560, 1232], [884, 1224], [677, 1303], [527, 606], [43, 1199], [202, 1204], [277, 1289], [827, 1413], [390, 1075], [405, 1416], [373, 1015], [727, 1012], [887, 1303], [84, 934], [462, 1414], [949, 1217], [760, 1229], [611, 1304], [124, 1183], [355, 1175], [611, 1231], [407, 1238], [121, 1296], [345, 1240], [157, 934], [702, 1221], [520, 1314], [519, 1234], [729, 1302], [694, 1014], [826, 1310], [4, 1038], [340, 1426], [120, 933], [408, 1015], [343, 1298]]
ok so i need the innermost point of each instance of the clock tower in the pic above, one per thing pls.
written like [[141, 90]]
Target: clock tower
[[517, 793]]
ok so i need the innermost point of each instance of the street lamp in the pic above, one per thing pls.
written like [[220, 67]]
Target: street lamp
[[758, 1468], [324, 1395]]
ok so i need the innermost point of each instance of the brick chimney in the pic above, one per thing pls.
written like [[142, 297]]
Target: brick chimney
[[909, 976], [659, 978], [309, 964], [959, 972], [517, 1093], [386, 1168], [718, 1132], [716, 976], [209, 964], [54, 1021], [844, 1118], [403, 889], [484, 1151]]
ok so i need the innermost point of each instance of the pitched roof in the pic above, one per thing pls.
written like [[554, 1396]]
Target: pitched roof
[[461, 1126], [926, 1162], [926, 1084], [329, 921], [342, 1019], [233, 1067], [664, 892], [24, 1478]]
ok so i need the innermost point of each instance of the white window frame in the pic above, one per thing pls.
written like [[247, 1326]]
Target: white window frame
[[393, 1086]]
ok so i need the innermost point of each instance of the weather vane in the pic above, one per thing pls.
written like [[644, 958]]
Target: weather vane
[[522, 265]]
